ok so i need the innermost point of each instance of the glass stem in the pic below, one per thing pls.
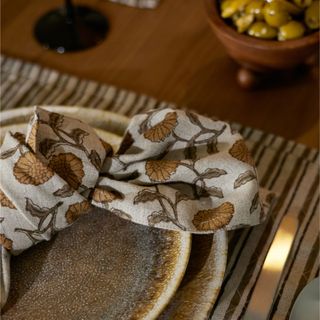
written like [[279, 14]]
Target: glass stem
[[69, 11]]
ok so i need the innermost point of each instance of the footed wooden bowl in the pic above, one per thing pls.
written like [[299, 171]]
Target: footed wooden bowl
[[259, 58]]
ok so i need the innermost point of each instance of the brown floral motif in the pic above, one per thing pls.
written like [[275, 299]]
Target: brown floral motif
[[69, 167], [20, 137], [76, 210], [46, 223], [126, 143], [103, 195], [5, 201], [5, 242], [32, 136], [161, 170], [163, 129], [213, 219], [241, 152], [107, 147], [30, 170], [55, 120], [244, 178], [121, 214]]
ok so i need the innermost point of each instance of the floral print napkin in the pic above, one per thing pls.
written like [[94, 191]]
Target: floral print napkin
[[174, 170]]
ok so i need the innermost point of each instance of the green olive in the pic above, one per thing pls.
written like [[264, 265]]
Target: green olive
[[311, 16], [275, 14], [236, 16], [244, 22], [230, 7], [255, 7], [291, 30], [227, 8], [262, 30], [303, 3], [288, 6]]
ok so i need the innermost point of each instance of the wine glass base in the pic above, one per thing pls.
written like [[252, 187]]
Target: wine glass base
[[87, 29]]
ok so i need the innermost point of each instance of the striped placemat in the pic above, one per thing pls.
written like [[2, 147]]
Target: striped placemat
[[289, 169], [144, 4]]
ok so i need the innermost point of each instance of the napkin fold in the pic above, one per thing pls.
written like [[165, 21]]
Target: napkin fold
[[174, 170]]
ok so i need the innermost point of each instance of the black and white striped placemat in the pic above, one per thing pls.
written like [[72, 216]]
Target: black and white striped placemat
[[285, 167]]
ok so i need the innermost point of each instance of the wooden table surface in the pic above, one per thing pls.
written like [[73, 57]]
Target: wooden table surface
[[171, 54]]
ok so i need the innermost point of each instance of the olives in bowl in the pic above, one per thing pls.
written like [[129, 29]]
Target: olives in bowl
[[266, 36], [272, 19]]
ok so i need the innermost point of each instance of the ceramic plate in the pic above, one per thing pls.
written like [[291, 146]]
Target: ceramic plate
[[136, 271]]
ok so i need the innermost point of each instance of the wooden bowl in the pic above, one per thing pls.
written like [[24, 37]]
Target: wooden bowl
[[258, 57]]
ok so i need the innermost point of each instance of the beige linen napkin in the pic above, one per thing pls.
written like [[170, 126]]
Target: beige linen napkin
[[174, 170]]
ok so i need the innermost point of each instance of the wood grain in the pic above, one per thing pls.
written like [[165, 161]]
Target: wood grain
[[171, 54]]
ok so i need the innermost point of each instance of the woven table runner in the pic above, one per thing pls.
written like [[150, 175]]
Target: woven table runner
[[285, 167], [145, 4]]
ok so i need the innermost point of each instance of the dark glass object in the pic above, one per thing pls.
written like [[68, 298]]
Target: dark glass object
[[71, 28]]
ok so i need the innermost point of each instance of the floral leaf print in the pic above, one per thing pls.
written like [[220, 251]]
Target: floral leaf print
[[78, 135], [244, 178], [121, 214], [40, 212], [157, 217], [103, 195], [69, 167], [190, 152], [76, 210], [8, 153], [30, 170], [163, 129], [193, 119], [126, 143], [5, 242], [32, 136], [181, 197], [34, 209], [95, 159], [214, 219], [212, 145], [55, 120], [213, 173], [5, 201], [241, 152], [46, 146], [64, 192], [143, 127], [130, 176], [161, 170], [215, 192], [146, 196], [20, 137], [107, 147], [254, 203]]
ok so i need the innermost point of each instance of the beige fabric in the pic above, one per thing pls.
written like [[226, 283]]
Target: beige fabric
[[285, 167], [174, 170]]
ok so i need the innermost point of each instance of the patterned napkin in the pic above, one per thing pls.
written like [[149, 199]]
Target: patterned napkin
[[174, 170]]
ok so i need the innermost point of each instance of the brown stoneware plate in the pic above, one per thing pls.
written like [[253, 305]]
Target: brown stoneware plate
[[104, 267]]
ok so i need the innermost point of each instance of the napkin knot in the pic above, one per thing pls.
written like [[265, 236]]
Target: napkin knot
[[174, 170]]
